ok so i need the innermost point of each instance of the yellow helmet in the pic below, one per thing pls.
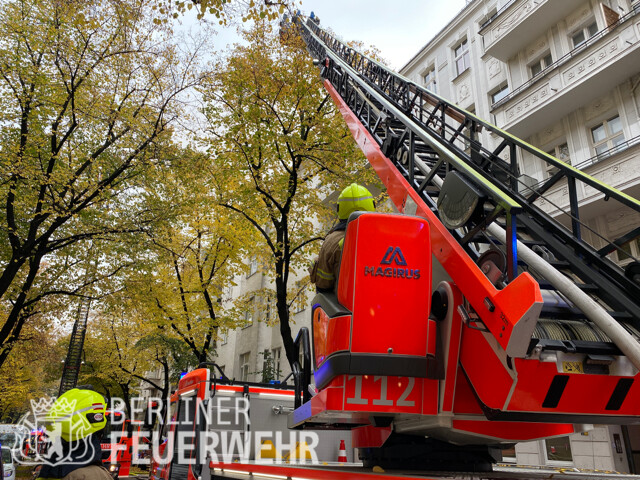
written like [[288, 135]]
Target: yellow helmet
[[77, 414], [354, 198]]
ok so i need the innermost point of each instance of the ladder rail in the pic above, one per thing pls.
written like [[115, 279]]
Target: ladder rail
[[616, 332], [510, 206], [486, 185]]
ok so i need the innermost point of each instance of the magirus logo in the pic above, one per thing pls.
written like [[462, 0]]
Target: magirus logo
[[393, 255]]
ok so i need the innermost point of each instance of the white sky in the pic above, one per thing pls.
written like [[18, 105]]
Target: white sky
[[398, 28]]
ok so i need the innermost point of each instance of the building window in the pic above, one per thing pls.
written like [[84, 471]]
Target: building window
[[268, 306], [253, 265], [224, 338], [300, 302], [607, 136], [629, 250], [509, 454], [558, 449], [248, 313], [461, 53], [561, 152], [244, 367], [226, 292], [429, 80], [540, 64], [500, 93], [584, 34], [276, 353]]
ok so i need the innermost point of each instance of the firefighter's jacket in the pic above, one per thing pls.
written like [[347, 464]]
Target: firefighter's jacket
[[326, 269], [78, 460], [92, 472]]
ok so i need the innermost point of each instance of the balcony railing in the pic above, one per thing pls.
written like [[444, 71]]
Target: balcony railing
[[564, 59], [497, 14], [533, 186], [608, 153]]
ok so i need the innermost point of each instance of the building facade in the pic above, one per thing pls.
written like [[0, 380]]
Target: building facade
[[241, 352], [563, 75]]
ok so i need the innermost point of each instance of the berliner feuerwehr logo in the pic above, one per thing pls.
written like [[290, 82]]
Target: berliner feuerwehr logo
[[39, 439]]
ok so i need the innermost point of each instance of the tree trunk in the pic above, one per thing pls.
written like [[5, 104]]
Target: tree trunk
[[15, 320], [283, 315], [126, 396]]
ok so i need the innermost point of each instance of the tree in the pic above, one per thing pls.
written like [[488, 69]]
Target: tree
[[270, 371], [105, 356], [225, 10], [32, 369], [188, 257], [170, 354], [165, 313], [88, 94], [123, 351], [278, 147]]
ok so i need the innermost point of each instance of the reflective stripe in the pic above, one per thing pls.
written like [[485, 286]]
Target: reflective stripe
[[354, 199], [82, 410], [341, 243], [325, 275]]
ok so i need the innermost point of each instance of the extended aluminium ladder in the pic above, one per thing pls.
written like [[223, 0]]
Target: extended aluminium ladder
[[73, 360], [443, 169]]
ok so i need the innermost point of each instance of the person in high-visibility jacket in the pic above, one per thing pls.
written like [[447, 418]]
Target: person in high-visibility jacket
[[324, 272], [75, 424]]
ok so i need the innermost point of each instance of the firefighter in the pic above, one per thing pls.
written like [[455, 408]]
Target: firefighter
[[324, 272], [75, 425]]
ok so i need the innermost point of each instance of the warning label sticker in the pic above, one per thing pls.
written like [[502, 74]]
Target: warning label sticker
[[572, 367]]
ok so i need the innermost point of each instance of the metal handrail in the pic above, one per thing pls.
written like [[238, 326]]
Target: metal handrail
[[608, 153], [565, 58], [498, 13], [598, 158]]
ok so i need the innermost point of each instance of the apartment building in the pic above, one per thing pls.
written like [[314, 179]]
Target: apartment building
[[564, 75]]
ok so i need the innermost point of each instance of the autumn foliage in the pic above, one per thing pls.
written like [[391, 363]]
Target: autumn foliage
[[137, 175]]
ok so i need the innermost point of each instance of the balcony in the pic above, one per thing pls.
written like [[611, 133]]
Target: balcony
[[521, 22], [584, 74]]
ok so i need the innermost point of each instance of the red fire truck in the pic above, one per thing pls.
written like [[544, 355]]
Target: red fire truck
[[247, 422], [119, 438], [407, 400]]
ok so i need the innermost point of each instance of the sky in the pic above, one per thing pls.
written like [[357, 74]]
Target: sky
[[398, 28]]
